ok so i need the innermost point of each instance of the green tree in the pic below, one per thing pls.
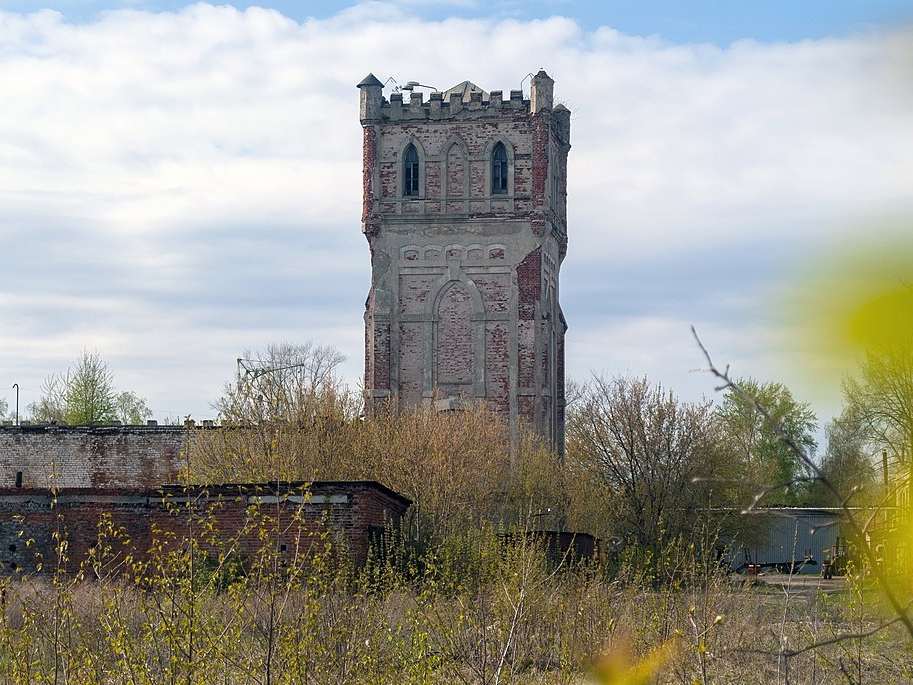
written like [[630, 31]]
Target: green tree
[[86, 395], [131, 408], [89, 393], [767, 460]]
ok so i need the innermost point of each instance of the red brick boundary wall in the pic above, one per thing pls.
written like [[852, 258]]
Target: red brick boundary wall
[[119, 527]]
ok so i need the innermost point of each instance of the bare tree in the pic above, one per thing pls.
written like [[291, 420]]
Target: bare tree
[[284, 382], [50, 407], [286, 415], [648, 449], [882, 397], [848, 461], [856, 528]]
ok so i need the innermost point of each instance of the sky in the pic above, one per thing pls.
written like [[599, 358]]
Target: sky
[[180, 183]]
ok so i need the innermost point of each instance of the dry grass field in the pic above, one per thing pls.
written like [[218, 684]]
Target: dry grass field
[[508, 618]]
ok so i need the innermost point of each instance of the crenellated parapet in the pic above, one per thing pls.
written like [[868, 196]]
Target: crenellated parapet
[[437, 108], [454, 103]]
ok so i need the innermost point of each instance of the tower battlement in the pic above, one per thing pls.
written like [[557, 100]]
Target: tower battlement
[[463, 101], [437, 108]]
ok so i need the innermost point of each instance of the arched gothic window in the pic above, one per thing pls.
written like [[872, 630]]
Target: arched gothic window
[[499, 170], [410, 172]]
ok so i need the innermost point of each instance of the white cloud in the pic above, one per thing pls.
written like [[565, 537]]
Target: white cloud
[[177, 187]]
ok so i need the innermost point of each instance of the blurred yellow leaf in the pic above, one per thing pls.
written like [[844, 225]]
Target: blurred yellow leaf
[[620, 666], [849, 300]]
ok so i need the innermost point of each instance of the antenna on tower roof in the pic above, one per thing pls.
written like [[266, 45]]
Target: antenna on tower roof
[[525, 78], [411, 85]]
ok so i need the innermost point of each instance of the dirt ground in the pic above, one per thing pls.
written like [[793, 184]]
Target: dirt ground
[[801, 583]]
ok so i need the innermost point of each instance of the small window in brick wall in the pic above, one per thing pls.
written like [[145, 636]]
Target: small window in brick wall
[[410, 172], [499, 170]]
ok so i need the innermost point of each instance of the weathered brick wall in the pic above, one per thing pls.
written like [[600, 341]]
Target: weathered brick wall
[[90, 456], [458, 288], [108, 525]]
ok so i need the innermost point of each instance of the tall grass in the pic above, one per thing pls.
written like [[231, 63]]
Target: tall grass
[[509, 615]]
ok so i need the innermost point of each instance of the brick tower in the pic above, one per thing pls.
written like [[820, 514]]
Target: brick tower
[[465, 215]]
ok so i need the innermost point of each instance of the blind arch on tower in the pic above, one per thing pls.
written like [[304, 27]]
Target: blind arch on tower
[[456, 168], [454, 349]]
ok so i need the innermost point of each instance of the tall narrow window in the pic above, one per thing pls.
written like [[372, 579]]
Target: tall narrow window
[[499, 170], [410, 172]]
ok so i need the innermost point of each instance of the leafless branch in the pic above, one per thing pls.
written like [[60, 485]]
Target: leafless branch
[[836, 639], [857, 530]]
